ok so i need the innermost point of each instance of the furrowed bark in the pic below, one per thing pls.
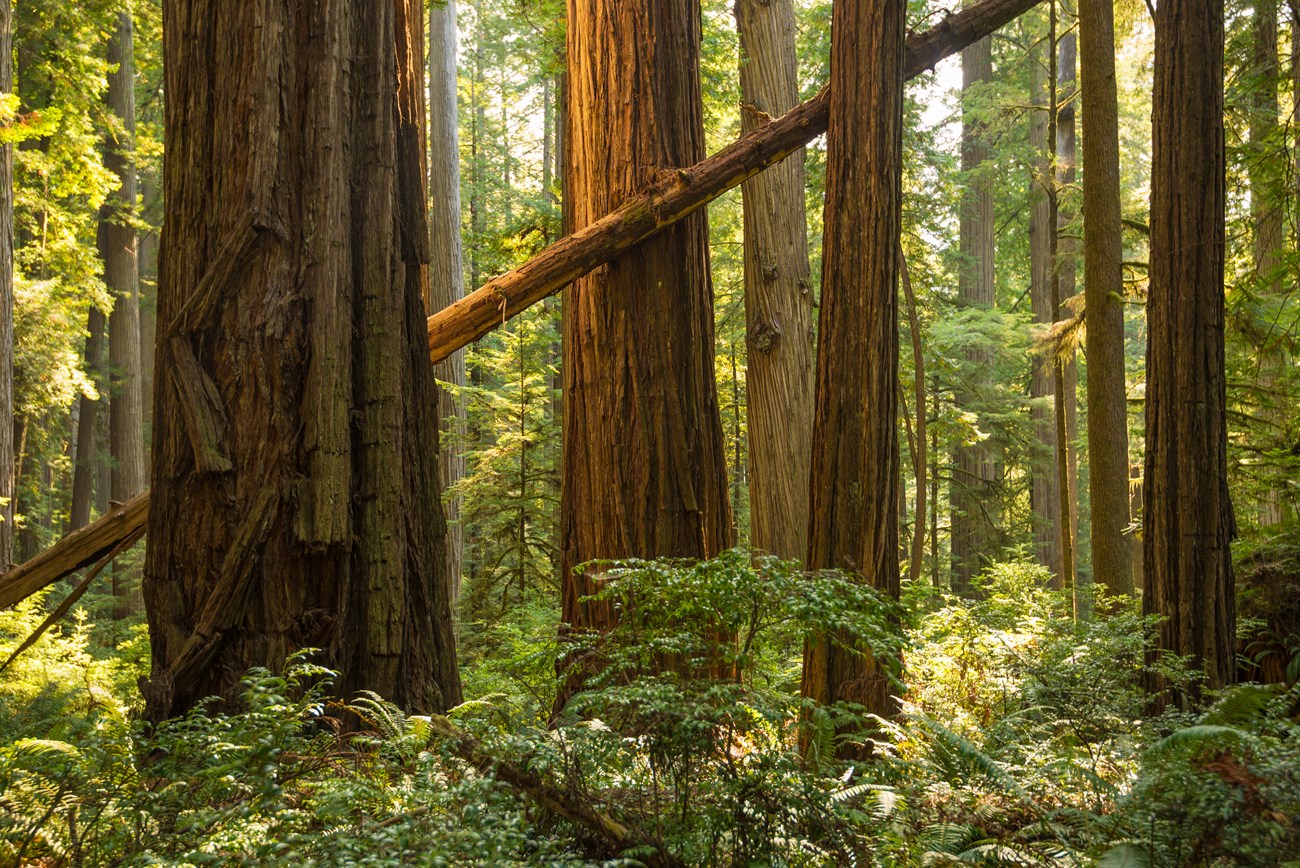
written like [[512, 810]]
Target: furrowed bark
[[574, 255]]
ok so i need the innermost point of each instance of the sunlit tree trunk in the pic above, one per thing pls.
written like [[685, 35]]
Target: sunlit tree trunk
[[643, 454], [778, 293], [295, 492], [1187, 514], [1103, 281], [855, 436], [446, 274]]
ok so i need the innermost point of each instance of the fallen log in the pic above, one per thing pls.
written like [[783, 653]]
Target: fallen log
[[673, 193], [670, 195]]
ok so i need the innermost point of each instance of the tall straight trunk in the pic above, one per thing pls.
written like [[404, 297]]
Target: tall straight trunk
[[643, 456], [1103, 286], [975, 470], [1064, 286], [1187, 514], [7, 488], [87, 458], [1266, 207], [920, 445], [778, 293], [1044, 490], [855, 472], [296, 494], [117, 249], [446, 270]]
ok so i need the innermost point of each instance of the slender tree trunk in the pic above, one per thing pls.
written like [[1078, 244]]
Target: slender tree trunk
[[87, 458], [117, 249], [446, 270], [643, 466], [1266, 207], [1045, 490], [855, 437], [8, 493], [975, 470], [778, 293], [1103, 282], [296, 495], [1187, 514], [920, 443]]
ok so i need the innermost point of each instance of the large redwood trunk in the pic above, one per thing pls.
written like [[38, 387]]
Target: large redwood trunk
[[854, 522], [1187, 514], [643, 464], [295, 483], [6, 302]]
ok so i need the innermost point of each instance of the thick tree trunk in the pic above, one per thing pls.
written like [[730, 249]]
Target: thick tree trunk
[[975, 470], [854, 522], [86, 457], [778, 293], [296, 498], [117, 248], [1044, 489], [446, 274], [1063, 287], [644, 473], [1187, 514], [641, 217], [1103, 282], [7, 488]]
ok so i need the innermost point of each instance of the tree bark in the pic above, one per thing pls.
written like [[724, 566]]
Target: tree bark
[[854, 520], [975, 471], [446, 270], [1187, 513], [296, 499], [778, 293], [642, 216], [7, 487], [86, 457], [117, 243], [920, 445], [1064, 255], [1103, 282], [644, 472]]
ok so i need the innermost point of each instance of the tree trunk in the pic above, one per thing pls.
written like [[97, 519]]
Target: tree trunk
[[1187, 514], [920, 444], [1044, 489], [1063, 287], [854, 523], [117, 248], [446, 271], [644, 473], [778, 293], [7, 487], [1266, 209], [1103, 282], [87, 458], [296, 497], [975, 470]]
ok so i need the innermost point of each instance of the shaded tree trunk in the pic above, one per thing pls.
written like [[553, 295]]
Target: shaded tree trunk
[[117, 249], [975, 469], [86, 457], [446, 271], [1103, 282], [854, 523], [8, 493], [1187, 514], [778, 293], [643, 457], [296, 497]]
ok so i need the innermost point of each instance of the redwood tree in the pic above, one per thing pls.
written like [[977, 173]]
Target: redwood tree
[[778, 294], [7, 492], [1187, 515], [643, 460], [295, 482], [854, 522]]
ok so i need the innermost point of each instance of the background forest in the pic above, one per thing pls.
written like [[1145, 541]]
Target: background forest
[[1023, 732]]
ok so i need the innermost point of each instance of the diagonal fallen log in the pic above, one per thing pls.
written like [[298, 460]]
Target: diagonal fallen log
[[670, 196]]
